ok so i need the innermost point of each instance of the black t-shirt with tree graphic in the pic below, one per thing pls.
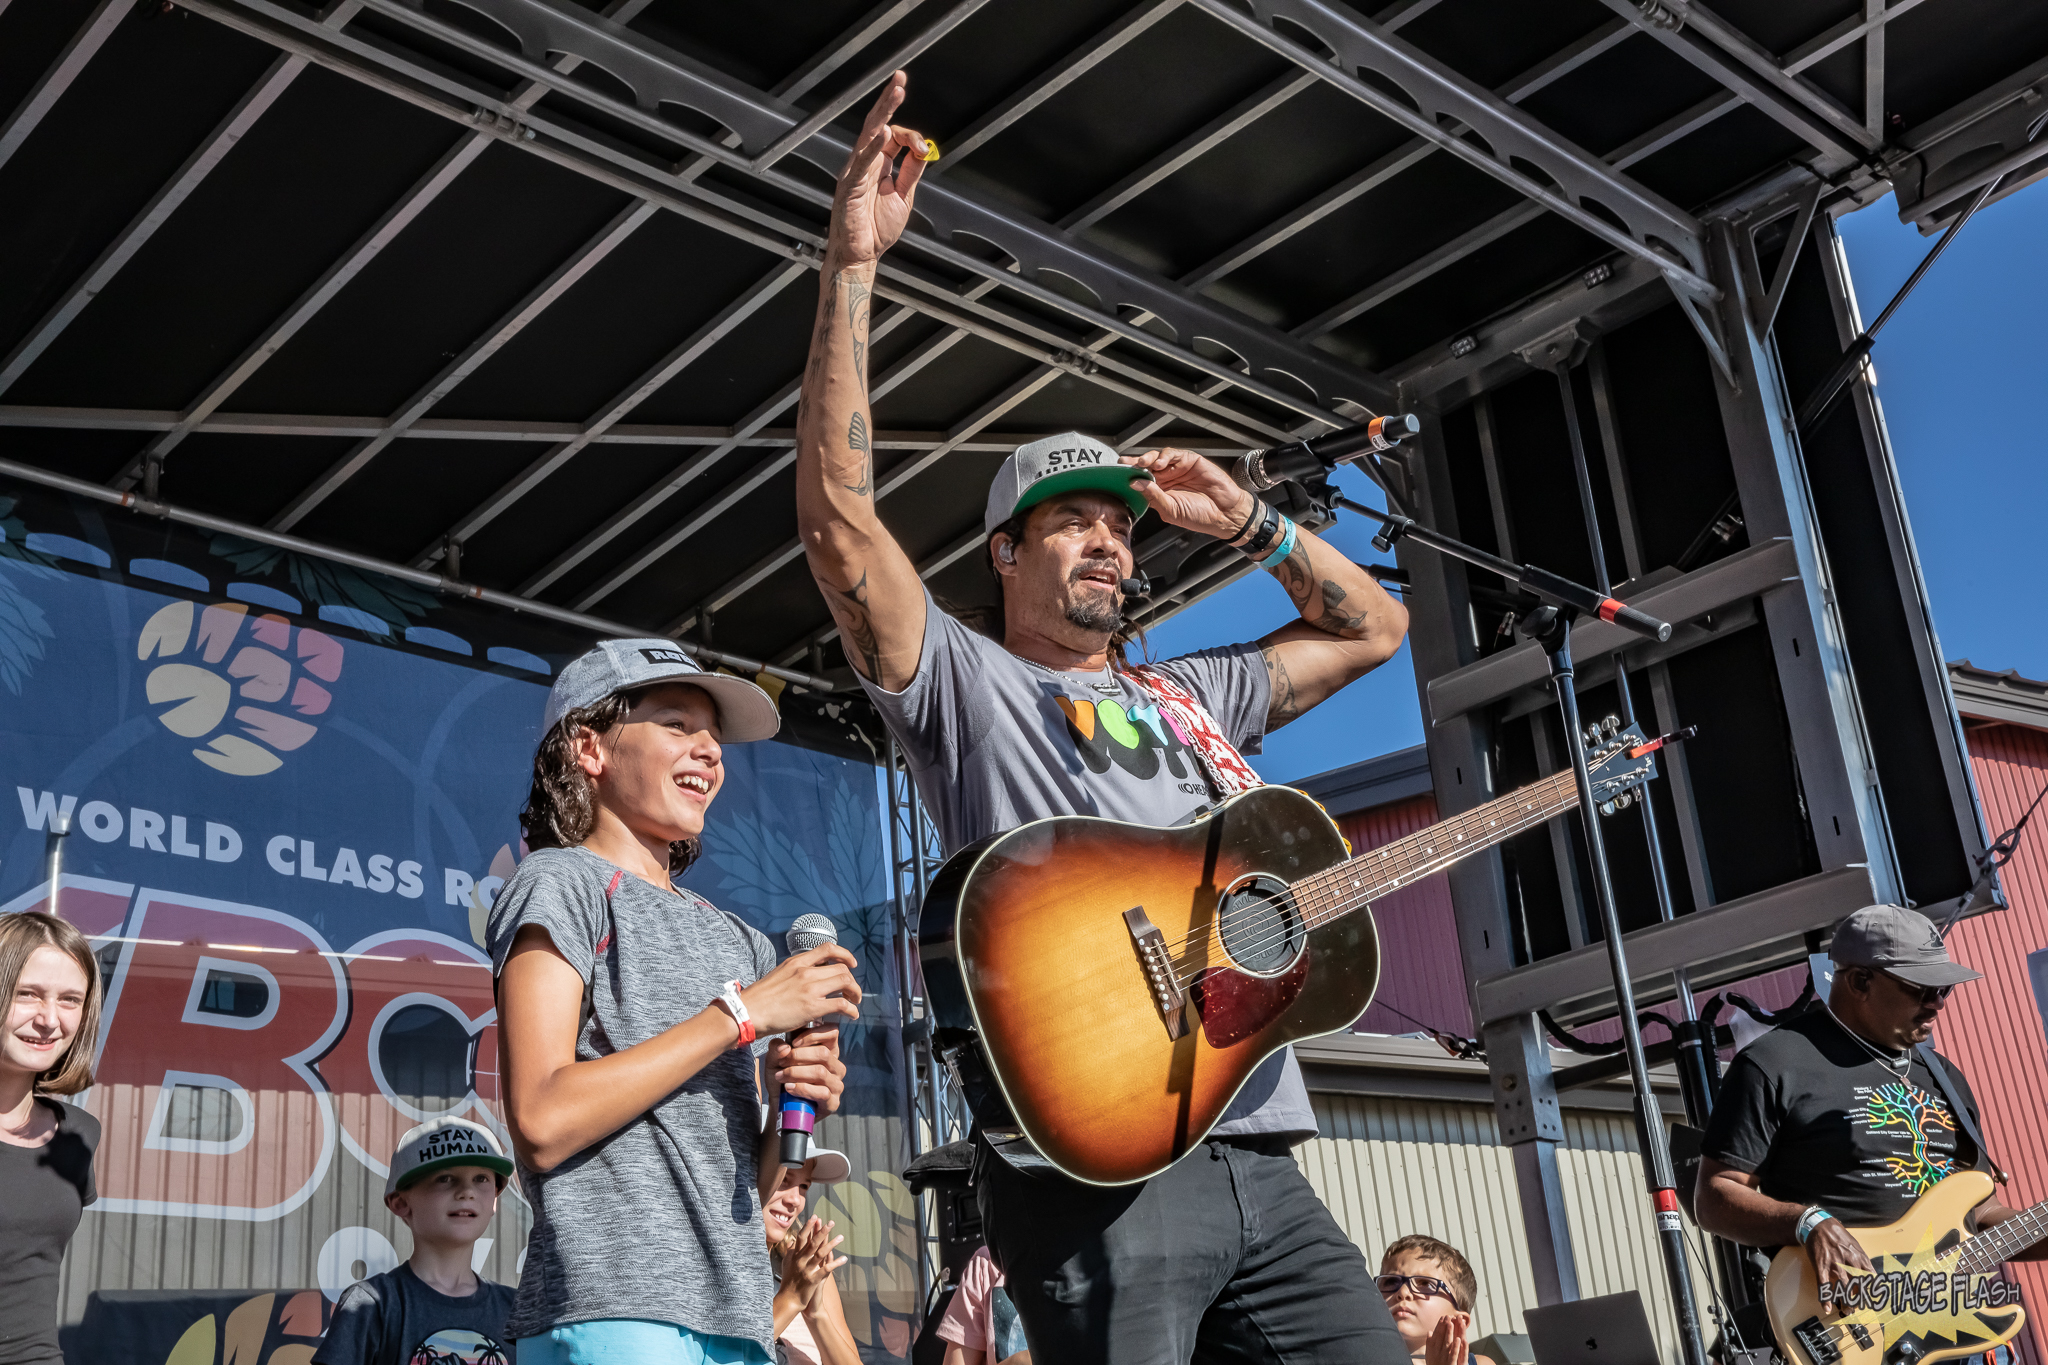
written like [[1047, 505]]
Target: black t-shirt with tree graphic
[[1819, 1120]]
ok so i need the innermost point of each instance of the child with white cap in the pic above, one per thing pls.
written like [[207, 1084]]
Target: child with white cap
[[810, 1321], [444, 1184], [629, 1014]]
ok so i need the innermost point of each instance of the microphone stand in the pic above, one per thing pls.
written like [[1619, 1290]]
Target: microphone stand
[[1550, 626]]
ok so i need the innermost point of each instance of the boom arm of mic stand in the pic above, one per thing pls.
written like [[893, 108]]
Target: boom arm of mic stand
[[1545, 585]]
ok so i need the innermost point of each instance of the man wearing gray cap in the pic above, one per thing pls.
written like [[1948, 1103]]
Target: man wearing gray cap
[[1836, 1119], [1228, 1254]]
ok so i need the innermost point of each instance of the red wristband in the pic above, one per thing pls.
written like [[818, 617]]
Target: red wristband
[[737, 1008]]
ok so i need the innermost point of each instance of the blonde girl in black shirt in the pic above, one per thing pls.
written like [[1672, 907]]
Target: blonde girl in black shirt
[[52, 998]]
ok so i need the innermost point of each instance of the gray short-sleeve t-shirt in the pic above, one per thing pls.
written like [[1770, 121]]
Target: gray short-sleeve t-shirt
[[661, 1219], [995, 741]]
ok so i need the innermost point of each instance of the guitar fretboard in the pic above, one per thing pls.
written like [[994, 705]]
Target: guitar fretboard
[[1355, 884], [1993, 1245]]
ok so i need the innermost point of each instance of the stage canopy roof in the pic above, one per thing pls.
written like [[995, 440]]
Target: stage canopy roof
[[536, 278]]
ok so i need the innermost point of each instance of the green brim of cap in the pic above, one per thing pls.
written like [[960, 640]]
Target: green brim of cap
[[1119, 481], [490, 1163]]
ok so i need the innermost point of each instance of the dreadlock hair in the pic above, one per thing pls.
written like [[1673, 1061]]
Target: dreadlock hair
[[20, 936], [989, 621], [561, 806]]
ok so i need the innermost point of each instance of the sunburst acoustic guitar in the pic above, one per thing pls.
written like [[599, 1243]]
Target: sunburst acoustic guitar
[[1105, 989], [1934, 1293]]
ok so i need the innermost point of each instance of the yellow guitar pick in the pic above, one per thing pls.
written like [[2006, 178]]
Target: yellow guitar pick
[[931, 150]]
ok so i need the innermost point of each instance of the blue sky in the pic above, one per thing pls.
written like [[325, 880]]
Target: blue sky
[[1966, 426]]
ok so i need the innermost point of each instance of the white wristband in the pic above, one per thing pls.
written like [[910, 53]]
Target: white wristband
[[737, 1008], [1813, 1216]]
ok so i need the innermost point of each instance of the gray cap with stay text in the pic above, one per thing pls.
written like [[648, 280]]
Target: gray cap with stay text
[[440, 1143], [744, 711], [1900, 941], [1055, 464]]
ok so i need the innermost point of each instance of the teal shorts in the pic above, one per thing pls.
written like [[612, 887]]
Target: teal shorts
[[635, 1341]]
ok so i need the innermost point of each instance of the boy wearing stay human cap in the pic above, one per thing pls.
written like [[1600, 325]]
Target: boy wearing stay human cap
[[629, 1012], [444, 1184]]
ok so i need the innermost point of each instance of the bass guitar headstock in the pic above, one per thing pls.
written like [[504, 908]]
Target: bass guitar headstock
[[1621, 758]]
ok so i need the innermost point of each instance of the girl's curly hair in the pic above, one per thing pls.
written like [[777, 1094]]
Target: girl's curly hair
[[561, 808]]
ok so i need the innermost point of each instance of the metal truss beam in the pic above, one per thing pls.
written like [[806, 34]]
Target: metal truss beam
[[656, 77], [332, 281], [158, 210], [1943, 162], [865, 30], [645, 387], [83, 47], [874, 76], [1706, 41], [489, 429], [439, 583], [472, 358], [441, 93], [1563, 178], [900, 373], [1063, 73], [1187, 151], [1363, 182]]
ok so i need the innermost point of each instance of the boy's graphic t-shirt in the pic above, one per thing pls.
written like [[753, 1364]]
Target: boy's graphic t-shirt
[[995, 741], [1818, 1120], [397, 1319]]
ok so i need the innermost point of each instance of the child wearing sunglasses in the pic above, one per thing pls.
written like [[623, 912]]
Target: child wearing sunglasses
[[1430, 1289]]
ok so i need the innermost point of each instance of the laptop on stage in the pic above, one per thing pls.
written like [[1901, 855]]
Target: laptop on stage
[[1610, 1330]]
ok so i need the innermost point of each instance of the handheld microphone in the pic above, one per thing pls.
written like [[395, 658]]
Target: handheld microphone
[[1259, 470], [800, 1116]]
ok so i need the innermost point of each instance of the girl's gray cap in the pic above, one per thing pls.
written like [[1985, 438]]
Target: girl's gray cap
[[745, 712]]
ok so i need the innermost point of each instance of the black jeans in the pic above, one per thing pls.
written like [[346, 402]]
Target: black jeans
[[1227, 1256]]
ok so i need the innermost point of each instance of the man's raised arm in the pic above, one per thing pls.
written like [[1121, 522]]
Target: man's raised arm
[[869, 583]]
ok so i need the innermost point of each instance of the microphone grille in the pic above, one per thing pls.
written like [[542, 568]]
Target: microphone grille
[[809, 931]]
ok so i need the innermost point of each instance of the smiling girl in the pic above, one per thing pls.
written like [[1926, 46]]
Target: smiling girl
[[629, 1015], [46, 1146]]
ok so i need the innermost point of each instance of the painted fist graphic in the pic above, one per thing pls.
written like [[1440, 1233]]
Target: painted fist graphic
[[275, 665]]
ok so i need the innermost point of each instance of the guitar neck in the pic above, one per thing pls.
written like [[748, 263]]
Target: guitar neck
[[1994, 1245], [1354, 884]]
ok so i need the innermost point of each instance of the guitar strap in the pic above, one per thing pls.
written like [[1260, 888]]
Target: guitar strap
[[1222, 764], [1959, 1109]]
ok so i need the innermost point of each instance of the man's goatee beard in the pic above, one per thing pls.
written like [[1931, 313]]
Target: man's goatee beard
[[1105, 616]]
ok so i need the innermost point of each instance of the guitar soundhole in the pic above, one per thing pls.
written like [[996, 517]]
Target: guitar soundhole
[[1260, 925]]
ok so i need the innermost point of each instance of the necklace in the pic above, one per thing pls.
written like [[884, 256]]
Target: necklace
[[1108, 686], [1900, 1064]]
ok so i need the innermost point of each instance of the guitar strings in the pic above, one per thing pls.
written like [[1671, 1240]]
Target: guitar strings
[[1319, 901], [1957, 1254], [1410, 865]]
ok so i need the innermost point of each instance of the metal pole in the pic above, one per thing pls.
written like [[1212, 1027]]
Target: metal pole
[[1552, 629], [53, 856], [405, 573]]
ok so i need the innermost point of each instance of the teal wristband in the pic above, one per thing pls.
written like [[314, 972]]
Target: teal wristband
[[1284, 549]]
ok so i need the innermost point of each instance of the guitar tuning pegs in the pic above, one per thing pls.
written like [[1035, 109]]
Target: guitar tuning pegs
[[1593, 736], [1607, 808], [1611, 724]]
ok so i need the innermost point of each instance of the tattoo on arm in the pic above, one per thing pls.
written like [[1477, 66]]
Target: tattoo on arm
[[857, 438], [1293, 573], [857, 307], [856, 626], [1333, 617], [1285, 704]]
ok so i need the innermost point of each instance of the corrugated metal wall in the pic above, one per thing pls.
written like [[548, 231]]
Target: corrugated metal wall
[[1418, 931], [1993, 1028], [1387, 1168]]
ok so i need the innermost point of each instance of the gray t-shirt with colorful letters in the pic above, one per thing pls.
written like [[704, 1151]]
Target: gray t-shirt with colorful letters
[[660, 1220], [995, 741]]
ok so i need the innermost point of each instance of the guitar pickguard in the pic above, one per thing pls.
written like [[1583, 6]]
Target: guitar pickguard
[[1234, 1005]]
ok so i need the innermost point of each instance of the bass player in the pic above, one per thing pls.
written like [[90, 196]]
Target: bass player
[[1228, 1255], [1835, 1120]]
